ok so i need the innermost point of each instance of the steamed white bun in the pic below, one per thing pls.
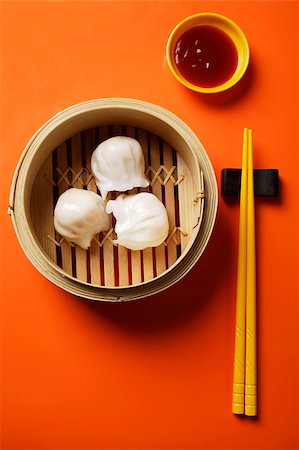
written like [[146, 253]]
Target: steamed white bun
[[118, 165], [79, 215], [141, 220]]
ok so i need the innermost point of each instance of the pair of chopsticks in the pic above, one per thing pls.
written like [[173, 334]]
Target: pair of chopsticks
[[244, 399]]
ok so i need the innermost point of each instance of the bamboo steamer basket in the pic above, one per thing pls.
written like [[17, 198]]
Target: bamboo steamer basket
[[58, 157]]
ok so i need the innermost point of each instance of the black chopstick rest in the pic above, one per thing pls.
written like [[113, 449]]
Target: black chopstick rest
[[266, 182]]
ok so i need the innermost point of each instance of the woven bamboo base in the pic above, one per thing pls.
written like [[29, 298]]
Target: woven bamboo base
[[105, 263]]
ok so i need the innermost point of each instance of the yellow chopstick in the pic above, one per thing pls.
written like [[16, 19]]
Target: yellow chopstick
[[250, 373], [245, 372], [239, 359]]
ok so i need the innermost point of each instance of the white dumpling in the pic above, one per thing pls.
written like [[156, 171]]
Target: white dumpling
[[118, 165], [141, 220], [79, 215]]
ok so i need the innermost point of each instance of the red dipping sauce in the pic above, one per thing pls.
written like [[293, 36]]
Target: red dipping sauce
[[206, 56]]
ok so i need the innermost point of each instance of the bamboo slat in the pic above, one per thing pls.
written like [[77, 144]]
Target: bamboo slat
[[170, 203], [42, 206], [94, 251], [108, 252], [146, 254], [62, 165], [136, 255], [81, 254], [186, 197], [123, 271], [157, 191]]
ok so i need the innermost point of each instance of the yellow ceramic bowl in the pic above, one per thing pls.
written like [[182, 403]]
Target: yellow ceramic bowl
[[222, 23]]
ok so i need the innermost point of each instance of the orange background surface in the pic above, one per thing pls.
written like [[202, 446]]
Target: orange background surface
[[157, 373]]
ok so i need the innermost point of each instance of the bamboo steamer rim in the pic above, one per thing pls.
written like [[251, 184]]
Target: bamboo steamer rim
[[56, 275]]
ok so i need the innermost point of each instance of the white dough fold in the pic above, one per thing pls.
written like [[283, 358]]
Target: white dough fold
[[118, 165], [141, 220], [79, 215]]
